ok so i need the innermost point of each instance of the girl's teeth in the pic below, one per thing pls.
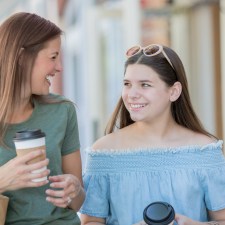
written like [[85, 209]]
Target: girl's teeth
[[136, 106]]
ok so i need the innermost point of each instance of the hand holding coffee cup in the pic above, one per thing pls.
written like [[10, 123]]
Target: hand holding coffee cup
[[159, 213], [15, 174], [28, 141]]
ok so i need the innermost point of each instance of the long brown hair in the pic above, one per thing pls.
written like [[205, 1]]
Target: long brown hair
[[181, 110], [22, 36]]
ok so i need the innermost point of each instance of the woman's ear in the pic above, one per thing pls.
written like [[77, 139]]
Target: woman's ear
[[176, 90]]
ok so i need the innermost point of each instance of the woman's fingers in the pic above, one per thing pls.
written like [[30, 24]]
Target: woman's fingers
[[69, 183], [58, 197], [60, 202], [20, 174], [31, 183], [35, 176], [38, 165], [28, 169], [68, 187], [63, 190], [29, 156]]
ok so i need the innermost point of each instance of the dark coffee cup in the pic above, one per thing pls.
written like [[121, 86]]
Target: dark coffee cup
[[159, 213]]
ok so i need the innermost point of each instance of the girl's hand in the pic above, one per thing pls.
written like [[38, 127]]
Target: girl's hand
[[16, 173], [183, 220], [66, 188], [141, 223]]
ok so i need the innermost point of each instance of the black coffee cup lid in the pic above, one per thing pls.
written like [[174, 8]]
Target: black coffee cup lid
[[28, 135], [159, 213]]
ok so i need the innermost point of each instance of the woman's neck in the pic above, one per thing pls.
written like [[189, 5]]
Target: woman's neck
[[22, 112]]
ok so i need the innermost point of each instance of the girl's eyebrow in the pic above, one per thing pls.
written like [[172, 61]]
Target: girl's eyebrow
[[141, 81], [144, 81]]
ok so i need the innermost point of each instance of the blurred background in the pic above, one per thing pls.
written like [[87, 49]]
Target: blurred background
[[97, 34]]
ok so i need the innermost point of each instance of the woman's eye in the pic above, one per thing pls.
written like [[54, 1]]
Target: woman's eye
[[54, 57]]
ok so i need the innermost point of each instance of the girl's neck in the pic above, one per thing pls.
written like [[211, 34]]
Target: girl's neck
[[160, 128], [160, 132]]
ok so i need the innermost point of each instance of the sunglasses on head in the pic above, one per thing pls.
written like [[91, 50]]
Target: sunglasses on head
[[150, 50]]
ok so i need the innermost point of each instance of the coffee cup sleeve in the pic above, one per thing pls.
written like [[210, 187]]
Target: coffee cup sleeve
[[4, 200]]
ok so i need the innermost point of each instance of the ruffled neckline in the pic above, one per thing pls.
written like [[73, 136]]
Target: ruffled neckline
[[154, 150]]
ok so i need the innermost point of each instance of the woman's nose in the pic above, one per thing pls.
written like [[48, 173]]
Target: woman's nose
[[58, 66]]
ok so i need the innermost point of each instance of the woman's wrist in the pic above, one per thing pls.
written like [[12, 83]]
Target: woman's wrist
[[78, 198]]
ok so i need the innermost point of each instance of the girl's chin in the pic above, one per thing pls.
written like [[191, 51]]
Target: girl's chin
[[135, 118]]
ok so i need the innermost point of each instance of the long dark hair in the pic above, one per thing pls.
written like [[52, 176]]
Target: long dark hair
[[181, 110]]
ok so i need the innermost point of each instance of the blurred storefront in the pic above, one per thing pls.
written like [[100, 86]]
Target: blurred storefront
[[98, 32]]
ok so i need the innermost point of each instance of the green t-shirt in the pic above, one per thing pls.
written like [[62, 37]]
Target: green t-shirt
[[28, 206]]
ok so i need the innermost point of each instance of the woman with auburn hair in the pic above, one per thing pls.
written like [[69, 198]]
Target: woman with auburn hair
[[155, 149], [29, 58]]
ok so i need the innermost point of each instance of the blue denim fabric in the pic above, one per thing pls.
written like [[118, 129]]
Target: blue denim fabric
[[121, 183]]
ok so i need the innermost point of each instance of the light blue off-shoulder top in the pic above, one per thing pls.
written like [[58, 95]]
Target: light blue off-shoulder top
[[121, 183]]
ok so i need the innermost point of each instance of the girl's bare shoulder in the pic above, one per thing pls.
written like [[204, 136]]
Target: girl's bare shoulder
[[110, 141], [194, 138]]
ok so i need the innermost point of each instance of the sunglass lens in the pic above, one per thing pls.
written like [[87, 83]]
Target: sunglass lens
[[132, 51], [151, 50]]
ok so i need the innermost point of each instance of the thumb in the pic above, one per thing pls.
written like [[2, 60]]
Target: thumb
[[177, 217]]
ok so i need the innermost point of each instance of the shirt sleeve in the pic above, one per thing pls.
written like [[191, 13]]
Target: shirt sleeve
[[71, 140], [214, 186], [96, 202]]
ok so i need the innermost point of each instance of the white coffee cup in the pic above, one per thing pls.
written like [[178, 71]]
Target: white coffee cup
[[31, 140]]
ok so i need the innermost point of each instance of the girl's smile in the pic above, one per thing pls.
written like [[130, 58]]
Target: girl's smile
[[144, 94]]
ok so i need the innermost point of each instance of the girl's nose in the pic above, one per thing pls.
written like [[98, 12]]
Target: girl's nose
[[133, 93]]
